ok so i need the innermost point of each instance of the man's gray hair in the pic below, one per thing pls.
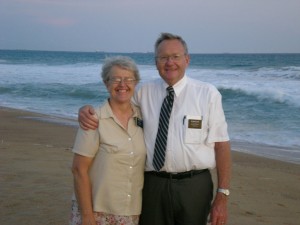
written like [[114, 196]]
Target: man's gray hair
[[169, 36]]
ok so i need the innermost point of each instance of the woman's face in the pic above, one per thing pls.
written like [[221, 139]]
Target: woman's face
[[121, 85]]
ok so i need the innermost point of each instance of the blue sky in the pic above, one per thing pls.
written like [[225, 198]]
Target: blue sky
[[208, 26]]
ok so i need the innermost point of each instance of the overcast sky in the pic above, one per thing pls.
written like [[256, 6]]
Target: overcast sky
[[208, 26]]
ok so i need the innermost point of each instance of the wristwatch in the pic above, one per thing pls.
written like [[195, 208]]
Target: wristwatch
[[224, 191]]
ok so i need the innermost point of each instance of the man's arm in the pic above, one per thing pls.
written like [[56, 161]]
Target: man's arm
[[219, 214], [86, 118]]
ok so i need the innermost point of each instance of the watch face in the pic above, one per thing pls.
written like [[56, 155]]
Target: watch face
[[224, 191]]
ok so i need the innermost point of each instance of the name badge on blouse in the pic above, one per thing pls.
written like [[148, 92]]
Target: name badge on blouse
[[138, 122]]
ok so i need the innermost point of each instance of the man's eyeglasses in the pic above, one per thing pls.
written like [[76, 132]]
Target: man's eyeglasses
[[118, 80], [164, 59]]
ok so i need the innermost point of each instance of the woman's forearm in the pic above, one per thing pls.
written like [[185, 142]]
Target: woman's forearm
[[83, 189], [83, 193]]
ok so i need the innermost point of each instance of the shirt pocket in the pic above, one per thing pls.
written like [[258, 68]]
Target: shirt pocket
[[109, 148], [192, 129]]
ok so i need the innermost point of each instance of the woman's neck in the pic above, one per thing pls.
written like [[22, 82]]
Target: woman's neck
[[122, 111]]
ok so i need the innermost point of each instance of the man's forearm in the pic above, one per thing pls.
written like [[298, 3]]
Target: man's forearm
[[223, 162]]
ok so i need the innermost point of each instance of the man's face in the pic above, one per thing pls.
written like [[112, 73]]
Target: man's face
[[171, 61]]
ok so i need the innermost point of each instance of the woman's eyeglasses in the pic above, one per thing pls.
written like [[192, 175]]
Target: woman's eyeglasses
[[119, 80]]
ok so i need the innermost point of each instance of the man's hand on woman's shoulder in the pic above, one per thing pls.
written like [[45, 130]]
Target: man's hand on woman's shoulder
[[87, 119]]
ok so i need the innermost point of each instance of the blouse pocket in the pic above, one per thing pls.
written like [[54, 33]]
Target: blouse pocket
[[192, 129], [109, 148]]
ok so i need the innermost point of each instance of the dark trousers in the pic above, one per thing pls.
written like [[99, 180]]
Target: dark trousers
[[168, 201]]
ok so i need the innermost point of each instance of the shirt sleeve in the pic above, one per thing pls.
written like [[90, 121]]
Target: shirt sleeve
[[217, 122], [86, 142]]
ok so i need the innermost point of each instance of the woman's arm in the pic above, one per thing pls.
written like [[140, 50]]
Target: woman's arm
[[83, 190]]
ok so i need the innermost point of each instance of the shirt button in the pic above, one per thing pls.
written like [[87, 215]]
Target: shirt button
[[129, 139], [130, 167], [129, 196]]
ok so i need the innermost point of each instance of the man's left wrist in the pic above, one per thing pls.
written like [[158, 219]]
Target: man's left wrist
[[224, 191]]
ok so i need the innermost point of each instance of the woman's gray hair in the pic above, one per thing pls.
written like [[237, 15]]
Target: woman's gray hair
[[169, 36], [122, 62]]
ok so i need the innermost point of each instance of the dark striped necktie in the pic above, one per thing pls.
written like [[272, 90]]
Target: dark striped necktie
[[162, 132]]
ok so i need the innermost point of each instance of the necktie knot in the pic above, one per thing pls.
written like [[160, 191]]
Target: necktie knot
[[170, 97], [170, 90]]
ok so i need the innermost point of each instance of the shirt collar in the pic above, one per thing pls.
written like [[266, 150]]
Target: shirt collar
[[106, 111], [178, 87]]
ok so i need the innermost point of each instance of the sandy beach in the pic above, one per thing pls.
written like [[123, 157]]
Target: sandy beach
[[36, 180]]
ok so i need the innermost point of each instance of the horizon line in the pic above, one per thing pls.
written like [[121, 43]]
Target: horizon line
[[147, 52]]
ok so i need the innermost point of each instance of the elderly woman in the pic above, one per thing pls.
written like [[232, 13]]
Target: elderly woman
[[108, 164]]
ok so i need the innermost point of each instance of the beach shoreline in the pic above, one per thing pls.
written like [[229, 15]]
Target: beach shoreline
[[36, 179], [255, 149]]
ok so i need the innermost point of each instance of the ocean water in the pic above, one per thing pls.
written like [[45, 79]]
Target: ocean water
[[261, 92]]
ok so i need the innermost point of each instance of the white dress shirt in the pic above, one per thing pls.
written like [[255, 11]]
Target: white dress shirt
[[197, 121]]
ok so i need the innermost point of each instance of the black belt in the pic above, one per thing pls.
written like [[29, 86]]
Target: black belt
[[178, 176]]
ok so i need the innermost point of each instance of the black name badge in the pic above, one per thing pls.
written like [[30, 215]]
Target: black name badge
[[194, 124], [139, 122]]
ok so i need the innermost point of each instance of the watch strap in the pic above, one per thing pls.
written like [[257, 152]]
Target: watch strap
[[223, 191]]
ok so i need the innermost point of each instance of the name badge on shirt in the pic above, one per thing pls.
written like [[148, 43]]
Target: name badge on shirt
[[138, 122], [194, 124]]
